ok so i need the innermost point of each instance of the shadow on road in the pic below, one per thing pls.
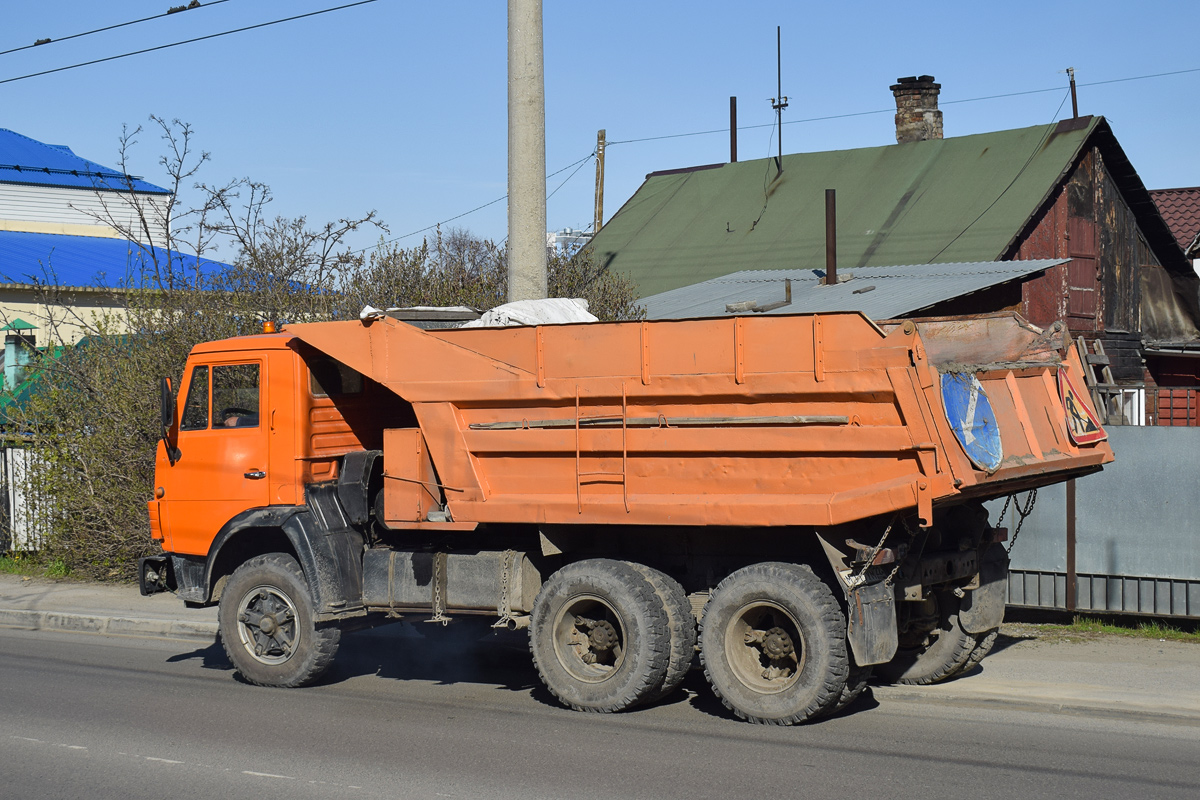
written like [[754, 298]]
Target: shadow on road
[[466, 651], [210, 657]]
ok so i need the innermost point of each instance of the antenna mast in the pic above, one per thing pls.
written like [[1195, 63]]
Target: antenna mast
[[779, 102]]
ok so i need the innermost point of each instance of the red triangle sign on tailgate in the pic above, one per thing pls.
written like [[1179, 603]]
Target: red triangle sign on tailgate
[[1082, 424]]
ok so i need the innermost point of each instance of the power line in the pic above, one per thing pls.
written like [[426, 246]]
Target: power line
[[578, 165], [892, 110], [572, 175], [187, 41], [168, 13]]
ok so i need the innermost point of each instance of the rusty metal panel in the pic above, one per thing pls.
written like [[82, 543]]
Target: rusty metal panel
[[1043, 298]]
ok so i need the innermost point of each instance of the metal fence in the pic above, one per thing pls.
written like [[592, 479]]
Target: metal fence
[[20, 530], [1124, 540]]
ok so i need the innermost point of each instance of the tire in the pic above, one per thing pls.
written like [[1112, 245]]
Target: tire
[[984, 643], [856, 682], [681, 629], [773, 644], [931, 654], [598, 636], [266, 623]]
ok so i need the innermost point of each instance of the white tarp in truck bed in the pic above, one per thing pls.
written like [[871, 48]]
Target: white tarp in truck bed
[[551, 311]]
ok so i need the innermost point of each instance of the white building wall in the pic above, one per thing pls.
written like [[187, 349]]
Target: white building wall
[[64, 316], [80, 212]]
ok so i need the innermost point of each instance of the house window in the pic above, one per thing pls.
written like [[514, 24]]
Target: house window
[[195, 410]]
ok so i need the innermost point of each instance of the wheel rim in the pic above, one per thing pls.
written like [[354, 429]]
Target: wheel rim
[[589, 638], [267, 624], [765, 647]]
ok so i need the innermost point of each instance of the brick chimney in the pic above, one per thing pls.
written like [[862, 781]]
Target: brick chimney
[[917, 115]]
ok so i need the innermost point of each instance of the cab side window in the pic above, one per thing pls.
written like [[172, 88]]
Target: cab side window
[[195, 410], [235, 396], [330, 378]]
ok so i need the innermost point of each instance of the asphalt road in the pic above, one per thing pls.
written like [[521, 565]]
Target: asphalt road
[[402, 717]]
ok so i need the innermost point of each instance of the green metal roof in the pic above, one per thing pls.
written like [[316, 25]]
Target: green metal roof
[[19, 324], [945, 200]]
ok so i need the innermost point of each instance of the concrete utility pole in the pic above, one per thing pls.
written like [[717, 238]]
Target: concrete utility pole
[[526, 153], [599, 220]]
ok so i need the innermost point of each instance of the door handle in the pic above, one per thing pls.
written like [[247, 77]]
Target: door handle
[[256, 474]]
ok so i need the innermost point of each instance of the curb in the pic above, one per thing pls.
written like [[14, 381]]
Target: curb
[[106, 624], [1014, 699]]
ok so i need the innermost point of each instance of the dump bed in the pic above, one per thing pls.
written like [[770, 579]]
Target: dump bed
[[756, 421]]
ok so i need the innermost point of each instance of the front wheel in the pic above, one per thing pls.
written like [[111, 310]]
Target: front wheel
[[773, 644], [266, 624]]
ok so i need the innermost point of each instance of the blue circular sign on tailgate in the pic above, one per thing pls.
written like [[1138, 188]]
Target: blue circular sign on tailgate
[[970, 414]]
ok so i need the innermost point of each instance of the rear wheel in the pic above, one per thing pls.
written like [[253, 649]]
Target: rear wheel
[[773, 644], [598, 636], [984, 643], [933, 645], [266, 623], [681, 629], [856, 683]]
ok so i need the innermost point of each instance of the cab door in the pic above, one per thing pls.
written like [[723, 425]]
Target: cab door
[[223, 463]]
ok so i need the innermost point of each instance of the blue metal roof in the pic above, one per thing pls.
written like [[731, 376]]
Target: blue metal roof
[[28, 161], [88, 261], [878, 292]]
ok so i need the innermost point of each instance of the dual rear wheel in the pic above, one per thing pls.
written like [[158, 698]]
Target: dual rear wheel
[[608, 635]]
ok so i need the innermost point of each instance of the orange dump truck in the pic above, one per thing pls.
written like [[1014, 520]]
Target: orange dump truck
[[797, 497]]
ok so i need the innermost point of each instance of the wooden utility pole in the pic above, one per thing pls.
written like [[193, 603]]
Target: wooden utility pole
[[599, 220], [526, 152]]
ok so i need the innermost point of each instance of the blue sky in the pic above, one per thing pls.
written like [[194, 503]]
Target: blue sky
[[400, 106]]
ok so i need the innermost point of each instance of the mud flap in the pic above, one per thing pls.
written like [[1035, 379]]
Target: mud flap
[[983, 608], [872, 623], [870, 612]]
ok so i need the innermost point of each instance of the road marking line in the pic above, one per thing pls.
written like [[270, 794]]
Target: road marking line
[[267, 775], [162, 760]]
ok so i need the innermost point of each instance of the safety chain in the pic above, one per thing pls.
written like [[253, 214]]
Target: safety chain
[[508, 559], [439, 578], [892, 577], [1021, 513], [861, 577]]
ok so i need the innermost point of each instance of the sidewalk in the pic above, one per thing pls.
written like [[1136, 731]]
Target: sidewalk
[[1103, 676], [38, 604]]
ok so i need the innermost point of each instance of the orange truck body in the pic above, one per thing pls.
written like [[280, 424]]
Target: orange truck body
[[774, 421]]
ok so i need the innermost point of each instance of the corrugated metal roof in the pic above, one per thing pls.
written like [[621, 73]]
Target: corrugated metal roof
[[878, 292], [25, 160], [946, 200], [88, 261]]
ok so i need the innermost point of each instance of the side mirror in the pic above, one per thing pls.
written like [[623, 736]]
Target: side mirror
[[166, 402], [166, 416]]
